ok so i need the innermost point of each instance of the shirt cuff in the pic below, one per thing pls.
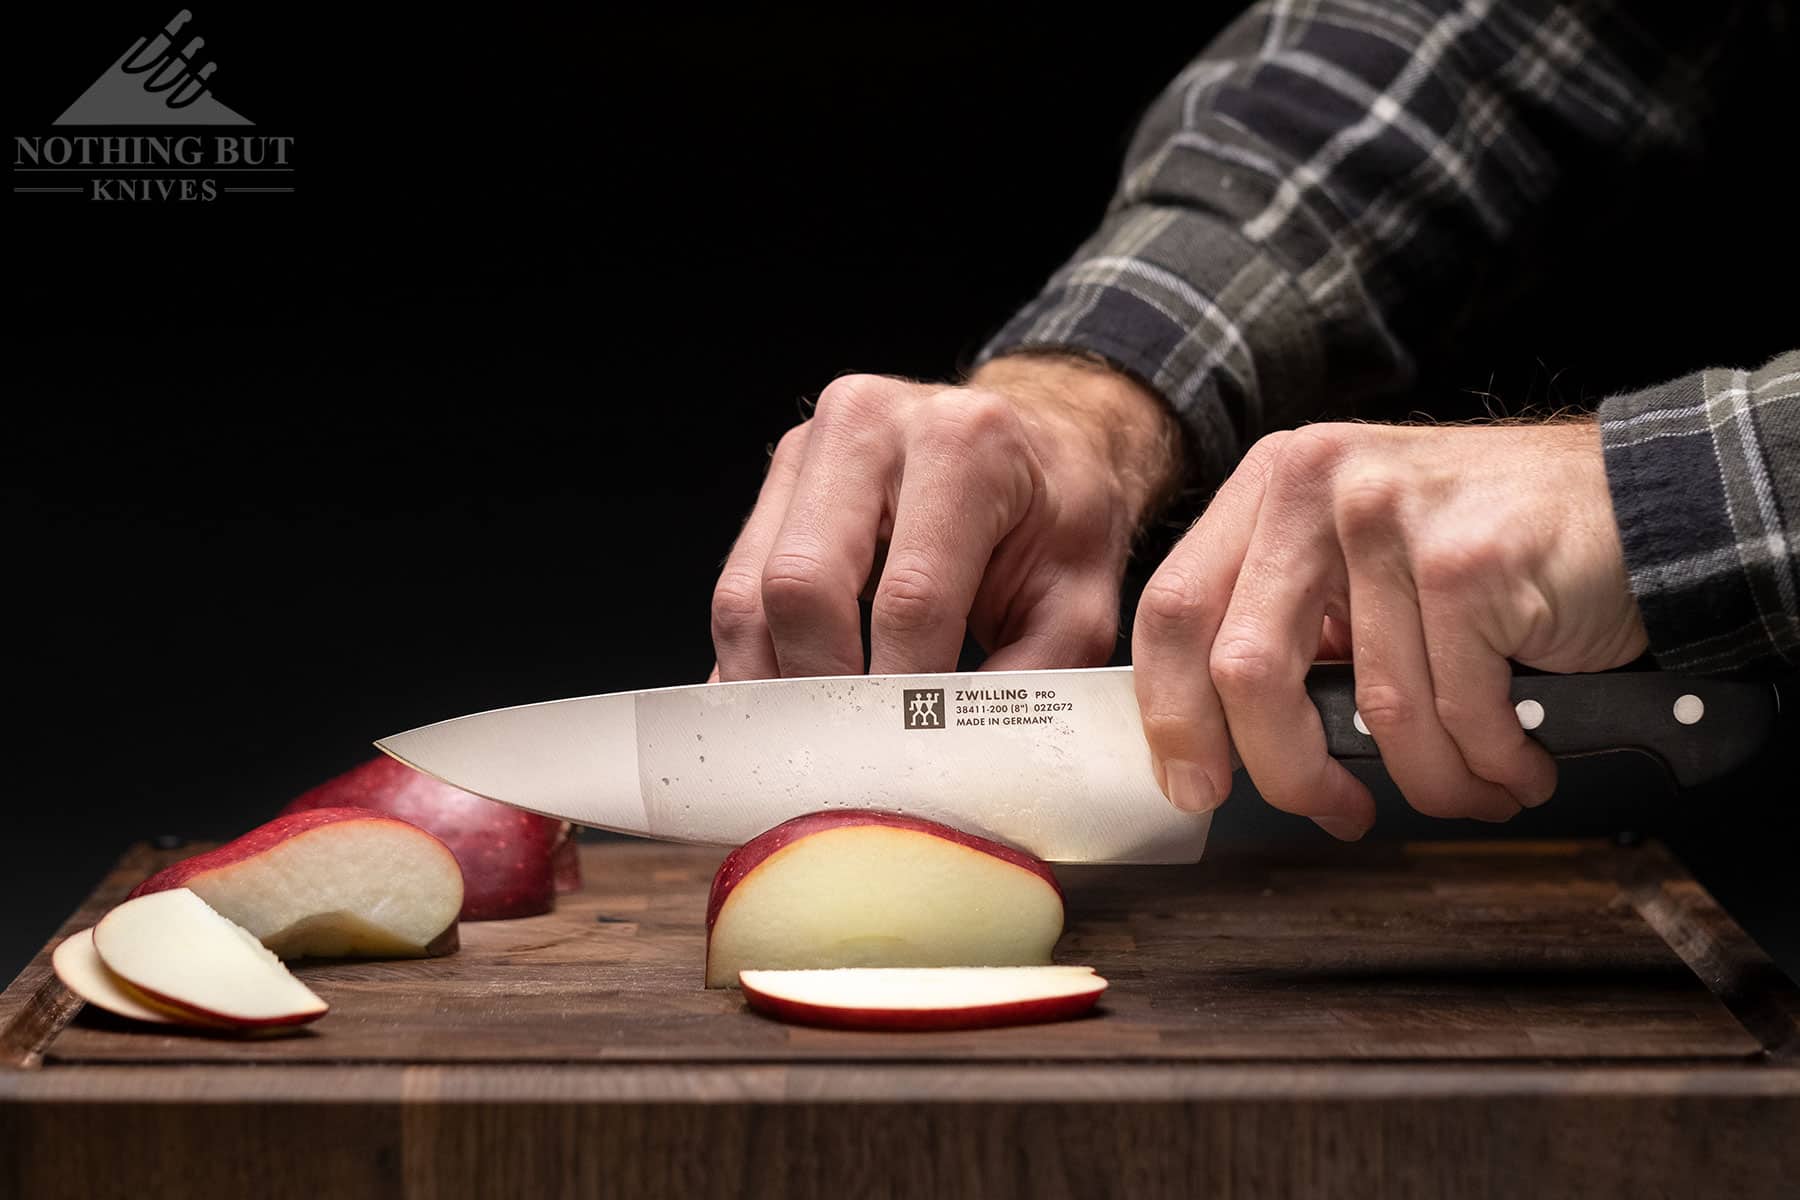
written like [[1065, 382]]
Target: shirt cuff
[[1180, 301], [1705, 479]]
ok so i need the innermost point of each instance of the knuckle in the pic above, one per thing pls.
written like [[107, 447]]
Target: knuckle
[[1171, 602], [736, 604], [793, 441], [793, 584], [1386, 706], [855, 397], [1166, 728], [908, 598], [1368, 501], [1265, 451], [1310, 451], [988, 415], [1451, 565], [1242, 666], [1304, 463], [1532, 612], [980, 424], [1455, 712]]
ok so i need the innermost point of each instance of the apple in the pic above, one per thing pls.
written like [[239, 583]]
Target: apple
[[514, 862], [923, 998], [78, 965], [174, 948], [855, 888], [329, 883]]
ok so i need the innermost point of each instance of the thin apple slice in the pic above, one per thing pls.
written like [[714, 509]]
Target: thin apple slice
[[903, 998], [330, 883], [858, 888], [175, 949], [78, 965]]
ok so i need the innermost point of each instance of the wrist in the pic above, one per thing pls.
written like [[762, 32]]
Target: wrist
[[1132, 429]]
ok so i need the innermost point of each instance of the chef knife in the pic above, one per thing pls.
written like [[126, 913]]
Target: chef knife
[[1053, 762]]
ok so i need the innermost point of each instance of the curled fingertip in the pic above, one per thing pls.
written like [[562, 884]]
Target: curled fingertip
[[1344, 829]]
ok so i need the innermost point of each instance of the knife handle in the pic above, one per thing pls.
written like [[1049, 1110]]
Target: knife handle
[[1699, 728]]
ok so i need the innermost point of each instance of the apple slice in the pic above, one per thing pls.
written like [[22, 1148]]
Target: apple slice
[[854, 888], [78, 965], [330, 883], [513, 862], [176, 950], [923, 998]]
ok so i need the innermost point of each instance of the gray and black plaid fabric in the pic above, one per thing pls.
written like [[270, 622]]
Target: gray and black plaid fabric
[[1705, 474], [1308, 208]]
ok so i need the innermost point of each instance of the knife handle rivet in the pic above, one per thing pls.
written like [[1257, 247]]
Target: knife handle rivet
[[1531, 714], [1356, 720], [1689, 709]]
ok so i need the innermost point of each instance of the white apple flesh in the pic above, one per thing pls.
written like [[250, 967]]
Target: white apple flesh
[[78, 965], [513, 863], [922, 999], [330, 883], [852, 888], [175, 949]]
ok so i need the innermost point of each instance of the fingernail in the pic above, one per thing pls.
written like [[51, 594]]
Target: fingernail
[[1342, 828], [1189, 788]]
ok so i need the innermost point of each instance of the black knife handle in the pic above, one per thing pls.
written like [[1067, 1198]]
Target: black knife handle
[[1698, 727]]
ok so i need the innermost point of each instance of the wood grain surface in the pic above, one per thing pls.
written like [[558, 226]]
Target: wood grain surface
[[1498, 1019]]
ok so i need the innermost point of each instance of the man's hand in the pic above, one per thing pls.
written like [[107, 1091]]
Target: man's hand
[[1006, 507], [1429, 557]]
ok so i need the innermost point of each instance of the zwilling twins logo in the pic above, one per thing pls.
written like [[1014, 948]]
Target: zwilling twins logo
[[162, 79], [924, 708]]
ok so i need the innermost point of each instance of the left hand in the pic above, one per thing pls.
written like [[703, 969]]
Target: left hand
[[1428, 556]]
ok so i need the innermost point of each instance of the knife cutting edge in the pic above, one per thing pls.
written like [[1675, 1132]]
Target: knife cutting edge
[[1053, 762]]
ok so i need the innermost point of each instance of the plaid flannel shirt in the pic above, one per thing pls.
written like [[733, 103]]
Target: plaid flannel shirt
[[1306, 209]]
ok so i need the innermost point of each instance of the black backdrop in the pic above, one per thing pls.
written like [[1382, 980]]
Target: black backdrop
[[470, 418]]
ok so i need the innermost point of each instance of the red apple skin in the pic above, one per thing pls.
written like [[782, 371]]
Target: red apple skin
[[261, 838], [983, 1016], [208, 1017], [747, 857], [509, 858]]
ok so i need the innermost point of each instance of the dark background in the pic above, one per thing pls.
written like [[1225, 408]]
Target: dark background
[[471, 418]]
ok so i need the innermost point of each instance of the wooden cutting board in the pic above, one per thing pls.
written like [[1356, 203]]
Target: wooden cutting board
[[1382, 1020]]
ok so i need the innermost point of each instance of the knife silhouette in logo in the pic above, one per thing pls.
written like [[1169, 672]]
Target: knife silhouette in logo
[[155, 82]]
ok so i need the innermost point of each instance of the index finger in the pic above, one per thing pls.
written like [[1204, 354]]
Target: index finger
[[1178, 616]]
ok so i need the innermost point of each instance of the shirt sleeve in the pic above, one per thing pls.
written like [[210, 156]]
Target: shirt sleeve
[[1705, 481], [1313, 202]]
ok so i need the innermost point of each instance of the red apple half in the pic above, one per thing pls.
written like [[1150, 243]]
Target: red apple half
[[513, 862], [855, 888], [175, 949], [78, 965], [330, 883], [923, 998]]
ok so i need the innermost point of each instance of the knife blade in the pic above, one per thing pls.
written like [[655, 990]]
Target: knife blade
[[1053, 762]]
